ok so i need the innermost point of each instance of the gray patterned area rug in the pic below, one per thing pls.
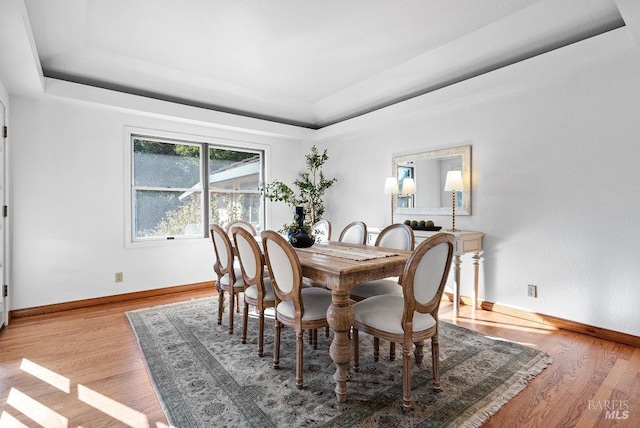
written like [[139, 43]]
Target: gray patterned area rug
[[205, 377]]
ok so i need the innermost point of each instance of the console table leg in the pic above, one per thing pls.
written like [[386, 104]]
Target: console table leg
[[456, 286], [476, 269], [340, 317]]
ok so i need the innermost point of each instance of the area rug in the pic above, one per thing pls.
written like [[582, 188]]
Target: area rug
[[205, 377]]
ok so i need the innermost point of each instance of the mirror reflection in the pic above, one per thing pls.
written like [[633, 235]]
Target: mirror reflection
[[421, 181]]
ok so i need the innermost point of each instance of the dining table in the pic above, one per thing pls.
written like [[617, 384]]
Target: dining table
[[340, 266]]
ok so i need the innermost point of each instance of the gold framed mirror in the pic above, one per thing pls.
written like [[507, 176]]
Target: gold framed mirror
[[429, 172]]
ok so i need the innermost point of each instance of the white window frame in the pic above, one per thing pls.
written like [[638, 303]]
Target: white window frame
[[180, 138]]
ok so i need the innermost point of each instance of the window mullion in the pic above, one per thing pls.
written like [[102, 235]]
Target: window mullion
[[206, 205]]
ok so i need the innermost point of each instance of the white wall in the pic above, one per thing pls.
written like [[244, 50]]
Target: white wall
[[68, 205], [556, 188]]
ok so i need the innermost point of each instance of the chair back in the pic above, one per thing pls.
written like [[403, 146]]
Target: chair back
[[322, 230], [354, 233], [397, 236], [284, 268], [250, 256], [243, 224], [224, 253], [425, 275]]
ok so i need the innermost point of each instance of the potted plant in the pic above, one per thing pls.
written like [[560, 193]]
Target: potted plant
[[311, 185]]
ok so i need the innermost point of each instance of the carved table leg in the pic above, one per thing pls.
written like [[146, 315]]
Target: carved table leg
[[340, 317], [456, 286], [476, 268]]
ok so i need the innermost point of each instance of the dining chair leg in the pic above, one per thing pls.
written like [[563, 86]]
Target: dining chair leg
[[238, 302], [261, 333], [356, 350], [376, 349], [392, 351], [276, 345], [326, 332], [315, 338], [232, 296], [435, 362], [418, 352], [245, 318], [220, 305], [406, 377], [299, 345]]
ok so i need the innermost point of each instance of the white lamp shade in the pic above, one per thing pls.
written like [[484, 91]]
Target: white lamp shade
[[390, 185], [454, 181], [408, 186]]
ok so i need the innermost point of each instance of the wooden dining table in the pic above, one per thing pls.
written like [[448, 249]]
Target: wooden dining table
[[341, 266]]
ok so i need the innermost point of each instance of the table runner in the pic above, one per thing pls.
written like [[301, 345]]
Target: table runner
[[351, 253]]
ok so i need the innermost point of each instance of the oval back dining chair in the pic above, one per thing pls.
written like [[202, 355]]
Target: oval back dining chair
[[258, 290], [244, 225], [296, 307], [412, 318], [229, 276], [399, 237], [354, 233], [322, 230]]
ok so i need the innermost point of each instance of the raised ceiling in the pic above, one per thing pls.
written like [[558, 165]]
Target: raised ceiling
[[306, 63]]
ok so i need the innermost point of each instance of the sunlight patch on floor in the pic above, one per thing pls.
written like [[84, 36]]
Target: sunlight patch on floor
[[8, 421], [46, 375], [47, 417], [35, 410], [116, 410], [470, 322], [502, 339]]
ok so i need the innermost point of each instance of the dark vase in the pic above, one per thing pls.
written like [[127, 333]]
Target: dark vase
[[300, 238]]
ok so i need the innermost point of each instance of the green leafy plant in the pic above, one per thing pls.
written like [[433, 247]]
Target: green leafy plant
[[312, 186], [293, 228]]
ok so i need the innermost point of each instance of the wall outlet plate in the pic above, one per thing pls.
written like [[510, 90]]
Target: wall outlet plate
[[118, 276], [532, 290]]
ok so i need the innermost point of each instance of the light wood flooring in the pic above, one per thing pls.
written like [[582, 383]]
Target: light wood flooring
[[82, 368]]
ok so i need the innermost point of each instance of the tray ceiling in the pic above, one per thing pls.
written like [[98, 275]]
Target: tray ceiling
[[305, 63]]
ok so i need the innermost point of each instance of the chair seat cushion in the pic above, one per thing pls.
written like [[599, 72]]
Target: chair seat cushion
[[316, 301], [239, 281], [269, 295], [385, 313], [376, 288]]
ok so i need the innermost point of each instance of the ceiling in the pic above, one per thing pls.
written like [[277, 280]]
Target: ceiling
[[306, 63]]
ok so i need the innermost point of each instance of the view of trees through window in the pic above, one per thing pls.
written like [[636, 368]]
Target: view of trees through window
[[168, 195]]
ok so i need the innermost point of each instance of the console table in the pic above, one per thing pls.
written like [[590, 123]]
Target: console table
[[466, 242]]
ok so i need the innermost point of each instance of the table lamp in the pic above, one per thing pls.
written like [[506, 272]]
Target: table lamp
[[409, 188], [454, 184], [391, 188]]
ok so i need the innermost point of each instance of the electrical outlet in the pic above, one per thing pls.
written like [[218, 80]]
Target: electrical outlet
[[118, 276], [532, 290]]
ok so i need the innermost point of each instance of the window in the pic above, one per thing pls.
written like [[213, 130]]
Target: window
[[168, 198]]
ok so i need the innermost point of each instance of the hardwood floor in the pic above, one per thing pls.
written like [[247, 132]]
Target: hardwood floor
[[82, 368]]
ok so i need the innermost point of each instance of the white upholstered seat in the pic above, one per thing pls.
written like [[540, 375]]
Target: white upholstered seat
[[385, 313], [316, 301]]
